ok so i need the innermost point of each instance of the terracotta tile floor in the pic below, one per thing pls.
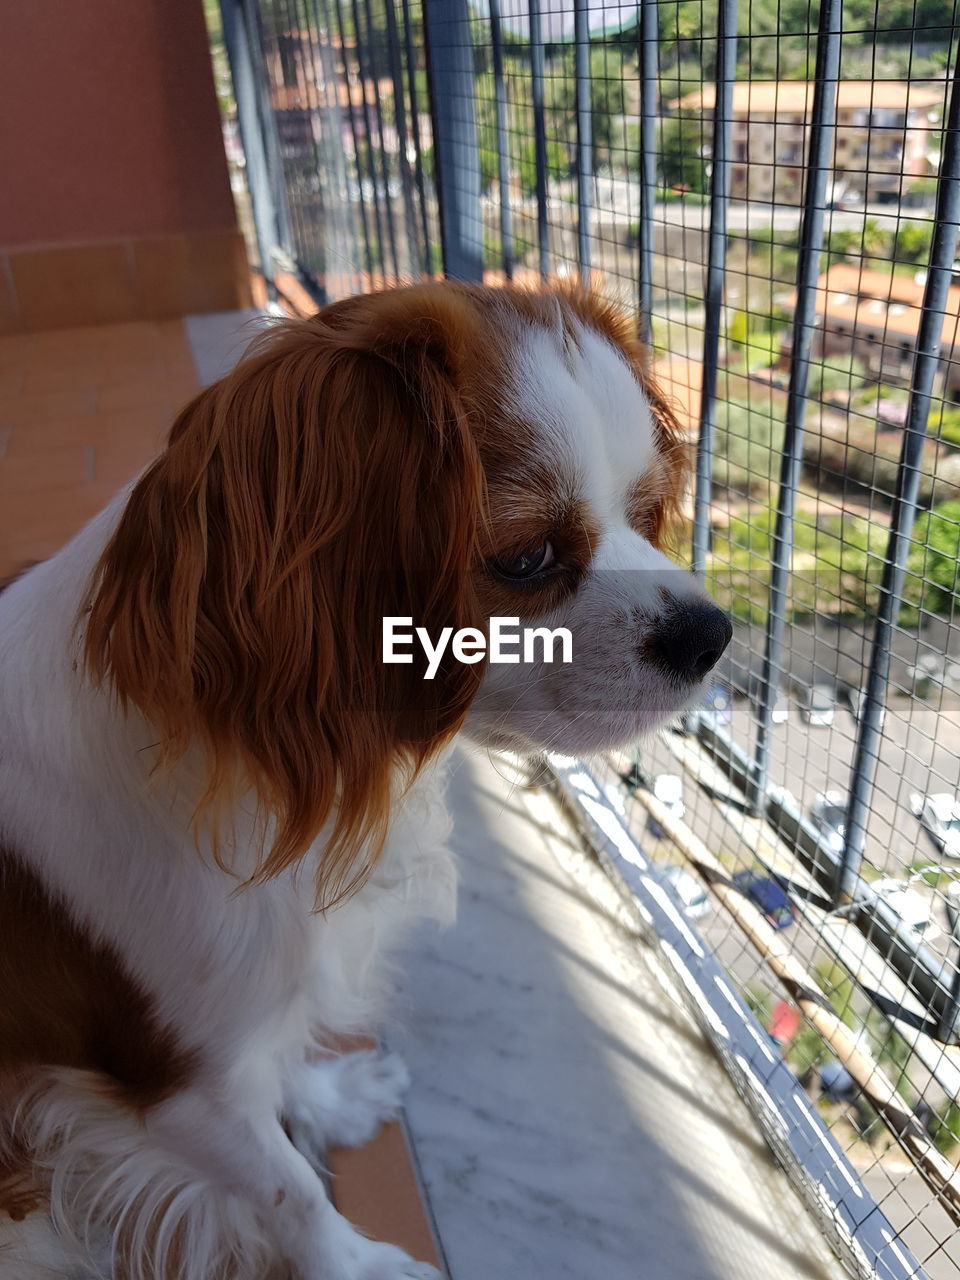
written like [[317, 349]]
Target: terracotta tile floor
[[82, 411]]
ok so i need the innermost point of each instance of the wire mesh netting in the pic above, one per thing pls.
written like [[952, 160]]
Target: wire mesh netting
[[775, 190]]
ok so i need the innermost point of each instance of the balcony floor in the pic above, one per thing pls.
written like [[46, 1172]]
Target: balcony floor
[[568, 1117]]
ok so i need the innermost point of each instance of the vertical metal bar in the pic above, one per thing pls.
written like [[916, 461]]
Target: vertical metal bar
[[243, 72], [904, 510], [381, 254], [503, 172], [271, 136], [946, 1031], [456, 155], [648, 37], [581, 37], [311, 249], [400, 119], [331, 143], [374, 68], [726, 71], [328, 232], [819, 165], [539, 136], [352, 119], [417, 143], [268, 81]]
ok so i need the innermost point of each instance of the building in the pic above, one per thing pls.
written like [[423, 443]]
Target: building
[[883, 137], [875, 316]]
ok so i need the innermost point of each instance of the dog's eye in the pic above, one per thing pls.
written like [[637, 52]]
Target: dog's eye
[[527, 564]]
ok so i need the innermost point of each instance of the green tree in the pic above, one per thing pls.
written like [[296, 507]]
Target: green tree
[[946, 1128], [836, 373], [843, 243], [751, 341], [932, 565], [925, 188], [945, 425], [914, 240], [609, 76], [683, 140], [875, 241], [558, 165]]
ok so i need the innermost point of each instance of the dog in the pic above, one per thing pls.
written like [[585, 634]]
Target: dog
[[220, 809]]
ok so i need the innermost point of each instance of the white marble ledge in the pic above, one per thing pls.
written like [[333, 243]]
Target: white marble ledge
[[570, 1122]]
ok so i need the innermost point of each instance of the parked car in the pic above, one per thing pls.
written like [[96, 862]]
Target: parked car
[[780, 712], [913, 908], [828, 813], [818, 704], [929, 674], [692, 894], [768, 896], [856, 700], [836, 1082], [668, 789], [939, 814]]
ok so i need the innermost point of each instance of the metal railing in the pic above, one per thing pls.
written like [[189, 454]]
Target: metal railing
[[390, 139]]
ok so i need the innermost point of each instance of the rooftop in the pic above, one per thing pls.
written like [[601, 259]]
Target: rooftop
[[870, 300]]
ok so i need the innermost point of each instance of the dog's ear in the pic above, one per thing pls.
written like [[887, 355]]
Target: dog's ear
[[330, 480]]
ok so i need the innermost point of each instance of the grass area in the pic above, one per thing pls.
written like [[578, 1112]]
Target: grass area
[[934, 874], [836, 564], [837, 558]]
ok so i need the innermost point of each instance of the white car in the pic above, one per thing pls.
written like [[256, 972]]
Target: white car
[[818, 704], [940, 814], [780, 711], [692, 894], [668, 789], [913, 908]]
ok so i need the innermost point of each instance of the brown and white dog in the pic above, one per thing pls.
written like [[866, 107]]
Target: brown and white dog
[[200, 745]]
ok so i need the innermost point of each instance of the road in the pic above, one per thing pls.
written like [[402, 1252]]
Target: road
[[920, 750], [616, 200]]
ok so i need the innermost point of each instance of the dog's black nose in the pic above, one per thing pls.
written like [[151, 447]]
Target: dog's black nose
[[691, 639]]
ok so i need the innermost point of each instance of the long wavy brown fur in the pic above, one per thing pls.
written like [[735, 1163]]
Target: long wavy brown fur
[[330, 480]]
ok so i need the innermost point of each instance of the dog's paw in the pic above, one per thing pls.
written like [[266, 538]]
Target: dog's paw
[[377, 1261], [342, 1102], [370, 1091], [348, 1255], [390, 1263]]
